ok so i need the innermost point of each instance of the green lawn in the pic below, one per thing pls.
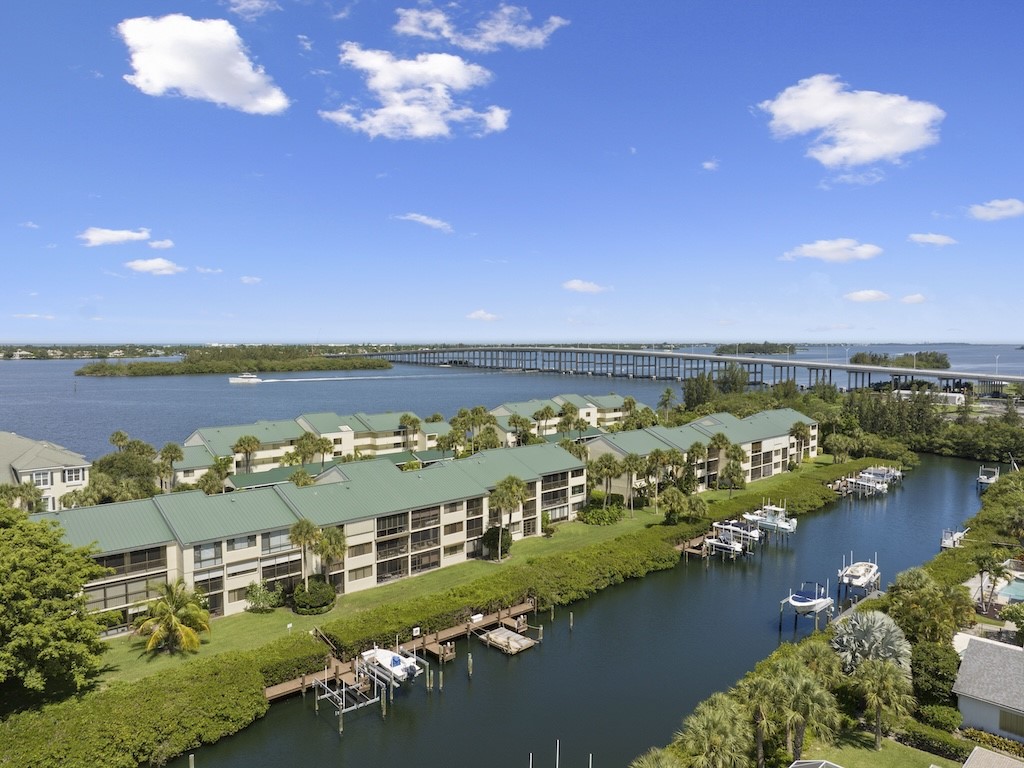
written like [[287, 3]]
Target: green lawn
[[856, 749]]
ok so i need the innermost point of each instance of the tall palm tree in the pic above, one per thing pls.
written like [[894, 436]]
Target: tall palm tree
[[325, 447], [175, 619], [666, 401], [656, 462], [675, 503], [633, 464], [411, 425], [698, 452], [609, 468], [508, 496], [119, 440], [716, 735], [247, 445], [716, 445], [542, 417], [304, 535], [331, 547], [29, 497], [696, 507], [657, 758], [521, 427], [761, 694], [801, 433], [992, 570], [169, 454], [885, 688], [675, 460]]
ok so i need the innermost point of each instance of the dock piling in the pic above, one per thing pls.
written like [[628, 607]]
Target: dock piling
[[469, 664], [570, 621]]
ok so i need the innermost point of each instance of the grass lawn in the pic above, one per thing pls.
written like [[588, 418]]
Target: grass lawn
[[856, 749]]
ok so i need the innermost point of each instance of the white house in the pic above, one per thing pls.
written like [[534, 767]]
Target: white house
[[53, 469], [990, 688]]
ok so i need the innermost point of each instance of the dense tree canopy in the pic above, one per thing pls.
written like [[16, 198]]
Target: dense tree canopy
[[49, 644]]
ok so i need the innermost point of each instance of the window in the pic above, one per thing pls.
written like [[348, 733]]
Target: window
[[357, 550], [453, 508], [188, 473], [207, 554], [474, 527], [1011, 722], [514, 527], [280, 570], [276, 541], [577, 473], [454, 549], [474, 507], [453, 528], [389, 525], [135, 561], [578, 489], [425, 561], [242, 542], [360, 573], [392, 569], [237, 595], [209, 584], [424, 539], [423, 518], [530, 526], [41, 479], [74, 475], [392, 548], [238, 569]]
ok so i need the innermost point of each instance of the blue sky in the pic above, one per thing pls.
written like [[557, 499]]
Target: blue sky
[[332, 171]]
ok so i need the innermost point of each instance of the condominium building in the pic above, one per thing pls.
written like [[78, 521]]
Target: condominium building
[[51, 468]]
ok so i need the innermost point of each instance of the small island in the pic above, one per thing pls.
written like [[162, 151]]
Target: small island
[[762, 348], [937, 361]]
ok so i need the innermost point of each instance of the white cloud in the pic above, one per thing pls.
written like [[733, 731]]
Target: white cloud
[[427, 221], [852, 127], [509, 25], [913, 298], [154, 266], [710, 165], [862, 179], [33, 316], [868, 295], [997, 209], [305, 43], [416, 95], [161, 244], [199, 59], [481, 314], [931, 238], [252, 9], [94, 236], [836, 251], [250, 280], [209, 270], [583, 286], [29, 225]]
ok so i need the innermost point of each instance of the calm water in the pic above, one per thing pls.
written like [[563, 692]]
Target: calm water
[[640, 657], [44, 400]]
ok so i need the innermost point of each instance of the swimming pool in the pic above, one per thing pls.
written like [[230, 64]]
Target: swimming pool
[[1014, 591]]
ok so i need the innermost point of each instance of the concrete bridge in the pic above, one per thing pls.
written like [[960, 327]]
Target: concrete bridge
[[679, 366]]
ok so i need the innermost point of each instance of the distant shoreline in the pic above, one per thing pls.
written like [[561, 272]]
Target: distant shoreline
[[231, 367]]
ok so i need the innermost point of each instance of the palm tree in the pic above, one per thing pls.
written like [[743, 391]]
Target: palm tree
[[666, 401], [696, 507], [675, 503], [521, 427], [809, 704], [169, 454], [119, 440], [656, 758], [608, 469], [698, 452], [542, 417], [247, 445], [885, 688], [656, 461], [675, 459], [633, 464], [325, 447], [801, 433], [448, 442], [735, 455], [761, 694], [870, 635], [508, 496], [304, 534], [716, 445], [29, 497], [411, 425], [213, 479], [301, 478], [716, 735], [989, 566], [174, 619], [331, 546]]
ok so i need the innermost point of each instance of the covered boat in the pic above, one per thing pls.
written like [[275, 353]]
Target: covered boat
[[398, 666], [810, 598], [771, 518]]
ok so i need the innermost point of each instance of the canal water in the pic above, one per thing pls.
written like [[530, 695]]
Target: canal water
[[640, 655]]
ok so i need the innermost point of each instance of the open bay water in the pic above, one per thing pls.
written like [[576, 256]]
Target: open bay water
[[44, 400], [640, 657]]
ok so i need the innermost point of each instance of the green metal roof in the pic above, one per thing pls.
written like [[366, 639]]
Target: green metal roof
[[527, 463], [276, 475], [195, 457], [24, 455], [220, 439], [324, 423], [113, 527], [195, 517], [528, 407]]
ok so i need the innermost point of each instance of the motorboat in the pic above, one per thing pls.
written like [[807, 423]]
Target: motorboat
[[736, 530], [724, 544], [987, 476], [951, 539], [244, 378], [882, 474], [861, 574], [398, 666], [771, 518], [810, 598]]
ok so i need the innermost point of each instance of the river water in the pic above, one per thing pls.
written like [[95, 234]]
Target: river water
[[640, 655]]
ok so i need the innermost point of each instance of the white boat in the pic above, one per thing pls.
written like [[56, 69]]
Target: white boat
[[734, 530], [244, 378], [861, 484], [882, 474], [810, 598], [396, 665], [771, 518], [952, 539], [987, 475], [861, 574], [722, 544]]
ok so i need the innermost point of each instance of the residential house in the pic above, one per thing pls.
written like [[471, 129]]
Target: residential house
[[990, 688], [53, 469]]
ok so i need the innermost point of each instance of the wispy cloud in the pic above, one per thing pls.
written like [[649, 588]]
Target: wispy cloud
[[427, 221], [931, 238], [839, 250], [416, 96], [913, 298], [199, 59], [852, 127], [209, 270], [305, 43], [583, 286], [710, 165], [33, 316], [481, 314], [250, 280], [154, 266], [997, 209], [94, 236], [161, 245], [868, 295], [29, 225], [252, 9], [508, 25], [862, 179]]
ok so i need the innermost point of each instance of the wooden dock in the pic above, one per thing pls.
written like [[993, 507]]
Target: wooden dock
[[507, 640]]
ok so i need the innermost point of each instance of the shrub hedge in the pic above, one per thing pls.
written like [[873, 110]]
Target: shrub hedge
[[319, 598], [920, 736], [995, 742], [154, 719], [939, 716]]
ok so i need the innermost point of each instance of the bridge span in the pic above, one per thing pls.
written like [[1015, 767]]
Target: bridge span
[[679, 366]]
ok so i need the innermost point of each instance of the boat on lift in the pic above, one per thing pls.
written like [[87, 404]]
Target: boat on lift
[[861, 574], [745, 533], [951, 539], [987, 476], [812, 597], [771, 518], [724, 544], [400, 667]]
